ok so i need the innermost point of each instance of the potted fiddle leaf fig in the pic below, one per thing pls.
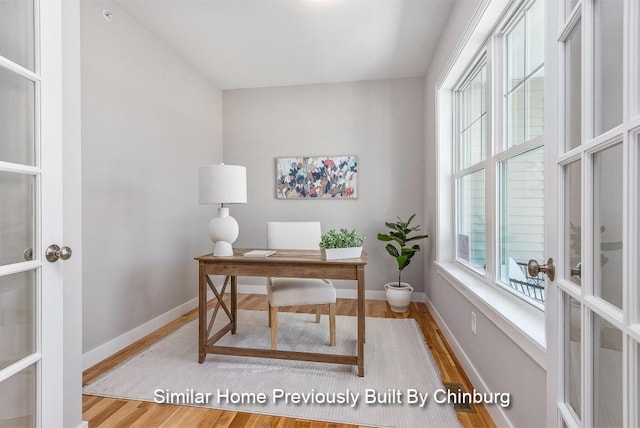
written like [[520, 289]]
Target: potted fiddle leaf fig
[[342, 244], [399, 238]]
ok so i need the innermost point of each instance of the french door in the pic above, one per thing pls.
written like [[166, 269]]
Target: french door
[[30, 213], [593, 313]]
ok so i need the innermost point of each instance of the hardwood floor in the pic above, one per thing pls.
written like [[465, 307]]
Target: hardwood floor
[[111, 412]]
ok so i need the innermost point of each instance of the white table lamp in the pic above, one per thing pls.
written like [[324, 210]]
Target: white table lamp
[[223, 184]]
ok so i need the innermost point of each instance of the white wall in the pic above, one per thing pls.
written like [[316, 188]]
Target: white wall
[[149, 120], [379, 121], [499, 362]]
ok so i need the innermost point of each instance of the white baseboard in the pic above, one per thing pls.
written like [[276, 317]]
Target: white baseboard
[[84, 424], [497, 413], [106, 350]]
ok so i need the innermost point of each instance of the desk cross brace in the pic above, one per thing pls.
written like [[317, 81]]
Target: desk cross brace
[[231, 326]]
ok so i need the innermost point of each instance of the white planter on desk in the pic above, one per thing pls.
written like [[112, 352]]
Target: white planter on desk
[[341, 253], [399, 298]]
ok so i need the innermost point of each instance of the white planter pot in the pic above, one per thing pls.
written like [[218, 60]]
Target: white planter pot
[[342, 253], [399, 298]]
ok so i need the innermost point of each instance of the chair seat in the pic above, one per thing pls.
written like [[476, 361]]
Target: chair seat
[[300, 291]]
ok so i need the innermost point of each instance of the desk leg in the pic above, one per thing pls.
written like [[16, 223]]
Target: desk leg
[[361, 320], [234, 303], [202, 314]]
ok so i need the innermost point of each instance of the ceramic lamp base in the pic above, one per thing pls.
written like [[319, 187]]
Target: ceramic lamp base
[[223, 231], [222, 249]]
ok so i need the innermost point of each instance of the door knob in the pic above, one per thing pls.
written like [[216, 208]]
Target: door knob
[[550, 269], [54, 252], [577, 271]]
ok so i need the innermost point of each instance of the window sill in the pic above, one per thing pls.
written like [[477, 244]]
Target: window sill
[[520, 321]]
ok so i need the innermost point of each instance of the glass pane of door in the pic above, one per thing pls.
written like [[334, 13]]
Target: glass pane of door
[[17, 217], [17, 317], [607, 226], [607, 374], [573, 88], [20, 301], [573, 222], [18, 399], [599, 207], [573, 354], [16, 32], [17, 118], [608, 64]]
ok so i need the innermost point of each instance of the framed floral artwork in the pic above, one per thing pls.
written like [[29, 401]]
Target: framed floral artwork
[[317, 177]]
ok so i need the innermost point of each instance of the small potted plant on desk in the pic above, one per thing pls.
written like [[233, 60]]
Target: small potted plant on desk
[[400, 234], [341, 244]]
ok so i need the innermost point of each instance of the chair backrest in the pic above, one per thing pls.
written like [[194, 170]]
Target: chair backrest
[[293, 235]]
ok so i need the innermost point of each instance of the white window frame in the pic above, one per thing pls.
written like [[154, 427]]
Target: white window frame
[[476, 65], [500, 151], [496, 151], [518, 319]]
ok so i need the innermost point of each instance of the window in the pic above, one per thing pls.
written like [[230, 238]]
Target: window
[[524, 76], [472, 117], [499, 156]]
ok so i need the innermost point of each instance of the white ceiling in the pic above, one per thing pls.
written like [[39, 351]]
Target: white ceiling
[[257, 43]]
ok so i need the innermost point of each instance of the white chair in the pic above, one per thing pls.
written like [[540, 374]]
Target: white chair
[[298, 291]]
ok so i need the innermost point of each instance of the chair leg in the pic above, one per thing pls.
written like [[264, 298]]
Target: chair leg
[[332, 324], [269, 312], [274, 327], [318, 312]]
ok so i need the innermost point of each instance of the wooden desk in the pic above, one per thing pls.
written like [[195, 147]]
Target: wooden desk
[[284, 263]]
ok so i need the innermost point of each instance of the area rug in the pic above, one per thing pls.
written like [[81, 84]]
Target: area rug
[[400, 388]]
